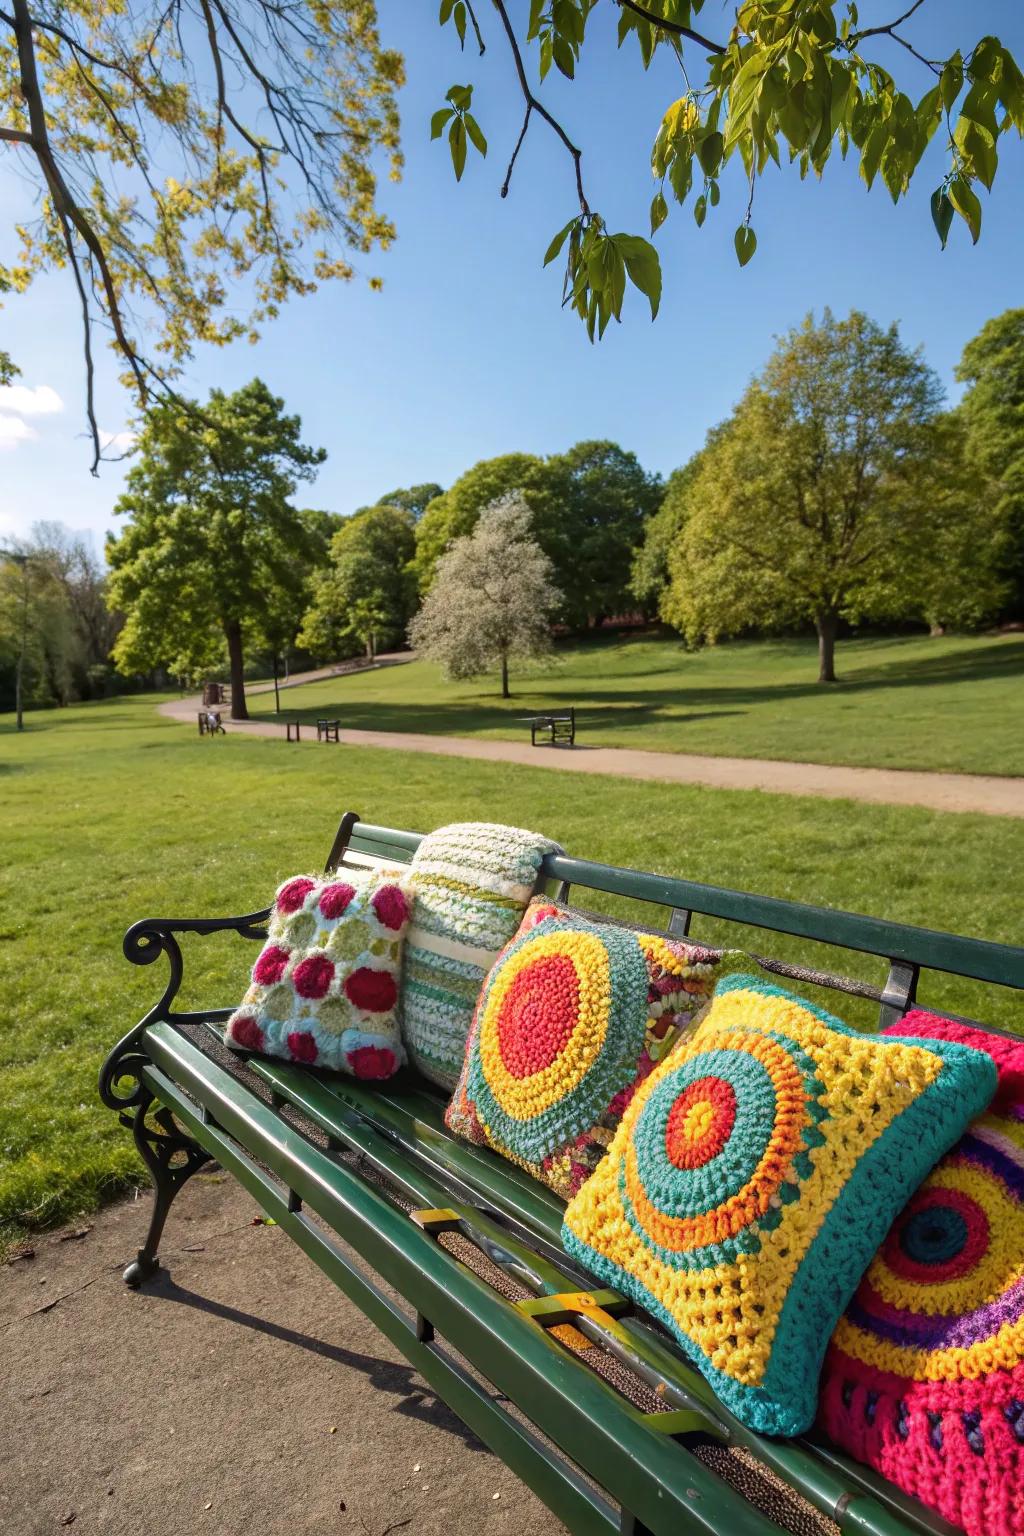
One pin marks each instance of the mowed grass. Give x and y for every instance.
(112, 813)
(955, 704)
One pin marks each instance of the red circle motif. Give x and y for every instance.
(538, 1014)
(372, 1062)
(335, 898)
(291, 896)
(269, 968)
(375, 991)
(686, 1150)
(302, 1046)
(244, 1031)
(391, 907)
(312, 977)
(963, 1262)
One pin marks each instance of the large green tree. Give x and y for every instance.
(366, 592)
(454, 513)
(833, 493)
(213, 548)
(588, 506)
(591, 505)
(414, 499)
(992, 367)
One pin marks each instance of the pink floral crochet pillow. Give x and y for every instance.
(325, 987)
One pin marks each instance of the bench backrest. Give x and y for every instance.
(908, 951)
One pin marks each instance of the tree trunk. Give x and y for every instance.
(504, 678)
(936, 630)
(233, 635)
(828, 625)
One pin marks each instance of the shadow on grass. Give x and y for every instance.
(632, 710)
(416, 1399)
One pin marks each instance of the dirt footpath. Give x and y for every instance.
(241, 1393)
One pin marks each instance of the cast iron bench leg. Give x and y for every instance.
(172, 1157)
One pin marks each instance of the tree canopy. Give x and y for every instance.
(366, 593)
(588, 505)
(992, 367)
(777, 79)
(198, 162)
(195, 162)
(213, 550)
(413, 499)
(492, 599)
(832, 493)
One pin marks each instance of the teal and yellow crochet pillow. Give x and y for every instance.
(753, 1177)
(573, 1016)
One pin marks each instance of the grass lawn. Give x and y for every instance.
(911, 702)
(112, 813)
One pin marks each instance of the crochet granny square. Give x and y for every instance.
(754, 1175)
(572, 1018)
(325, 987)
(924, 1377)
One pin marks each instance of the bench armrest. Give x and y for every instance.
(145, 942)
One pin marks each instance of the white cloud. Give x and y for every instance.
(14, 431)
(121, 440)
(27, 401)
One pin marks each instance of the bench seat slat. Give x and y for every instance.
(648, 1473)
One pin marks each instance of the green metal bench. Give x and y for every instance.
(583, 1395)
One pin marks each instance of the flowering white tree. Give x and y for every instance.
(492, 599)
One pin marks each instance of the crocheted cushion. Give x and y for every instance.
(754, 1175)
(924, 1378)
(325, 987)
(471, 882)
(571, 1019)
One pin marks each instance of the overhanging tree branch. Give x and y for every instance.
(671, 26)
(534, 105)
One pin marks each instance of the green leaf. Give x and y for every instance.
(438, 121)
(700, 209)
(714, 194)
(659, 211)
(965, 201)
(979, 147)
(942, 214)
(745, 242)
(951, 80)
(460, 21)
(457, 143)
(709, 153)
(476, 137)
(460, 96)
(643, 266)
(557, 243)
(446, 10)
(565, 61)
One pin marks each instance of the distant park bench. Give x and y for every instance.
(293, 725)
(560, 726)
(210, 723)
(327, 730)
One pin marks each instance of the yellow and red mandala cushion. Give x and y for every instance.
(571, 1019)
(325, 986)
(924, 1377)
(754, 1175)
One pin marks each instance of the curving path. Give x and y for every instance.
(986, 794)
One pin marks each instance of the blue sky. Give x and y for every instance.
(465, 353)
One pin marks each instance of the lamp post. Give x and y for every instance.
(20, 559)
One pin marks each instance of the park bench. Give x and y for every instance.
(210, 723)
(293, 725)
(327, 730)
(560, 726)
(455, 1254)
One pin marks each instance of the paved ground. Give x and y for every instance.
(241, 1393)
(989, 794)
